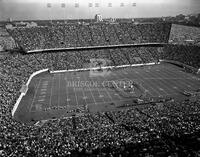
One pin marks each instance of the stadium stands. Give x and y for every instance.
(77, 35)
(188, 54)
(151, 130)
(6, 42)
(185, 35)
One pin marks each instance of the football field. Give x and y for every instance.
(57, 95)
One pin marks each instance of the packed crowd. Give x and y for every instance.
(170, 129)
(189, 55)
(154, 130)
(83, 35)
(6, 42)
(3, 32)
(186, 35)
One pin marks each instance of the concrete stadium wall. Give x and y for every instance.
(97, 47)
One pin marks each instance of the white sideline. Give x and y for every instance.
(120, 66)
(62, 71)
(22, 94)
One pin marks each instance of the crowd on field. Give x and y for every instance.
(92, 34)
(167, 129)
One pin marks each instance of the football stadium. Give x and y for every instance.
(100, 87)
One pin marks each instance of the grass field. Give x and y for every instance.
(59, 94)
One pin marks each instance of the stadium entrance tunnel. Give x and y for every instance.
(56, 95)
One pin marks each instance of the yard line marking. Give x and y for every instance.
(91, 93)
(184, 85)
(35, 94)
(162, 83)
(66, 90)
(75, 93)
(84, 97)
(67, 100)
(150, 84)
(107, 90)
(59, 90)
(52, 79)
(171, 72)
(122, 77)
(177, 85)
(185, 81)
(102, 91)
(97, 89)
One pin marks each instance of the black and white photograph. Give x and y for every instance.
(99, 78)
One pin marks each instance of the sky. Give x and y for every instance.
(38, 10)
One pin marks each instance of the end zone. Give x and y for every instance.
(24, 92)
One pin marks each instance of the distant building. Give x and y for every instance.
(98, 18)
(110, 20)
(10, 20)
(9, 26)
(20, 24)
(31, 24)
